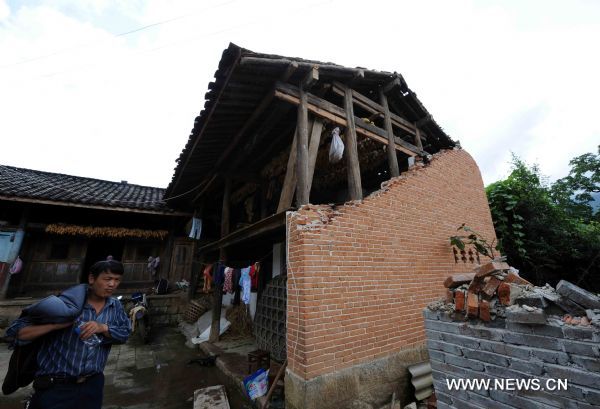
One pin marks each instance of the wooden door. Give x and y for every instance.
(181, 260)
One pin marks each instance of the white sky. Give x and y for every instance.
(79, 96)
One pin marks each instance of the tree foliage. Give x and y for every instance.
(550, 232)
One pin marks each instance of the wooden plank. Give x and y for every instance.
(353, 164)
(302, 151)
(313, 149)
(289, 183)
(391, 152)
(335, 114)
(264, 226)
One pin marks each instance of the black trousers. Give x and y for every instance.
(86, 395)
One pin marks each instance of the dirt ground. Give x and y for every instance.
(150, 376)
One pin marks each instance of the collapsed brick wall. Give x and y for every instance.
(508, 350)
(360, 275)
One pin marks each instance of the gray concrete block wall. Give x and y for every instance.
(461, 349)
(166, 309)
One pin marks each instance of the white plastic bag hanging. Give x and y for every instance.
(336, 150)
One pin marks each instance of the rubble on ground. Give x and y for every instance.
(495, 290)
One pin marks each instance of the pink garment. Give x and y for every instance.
(228, 284)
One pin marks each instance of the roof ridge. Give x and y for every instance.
(43, 172)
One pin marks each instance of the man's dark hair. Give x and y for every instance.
(106, 266)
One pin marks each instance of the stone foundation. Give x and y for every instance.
(364, 386)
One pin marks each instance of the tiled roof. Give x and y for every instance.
(34, 184)
(242, 81)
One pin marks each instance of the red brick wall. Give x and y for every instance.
(360, 275)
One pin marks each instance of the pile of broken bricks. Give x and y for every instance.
(496, 290)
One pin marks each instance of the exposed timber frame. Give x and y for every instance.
(353, 164)
(260, 109)
(326, 110)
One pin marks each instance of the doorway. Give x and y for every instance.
(100, 249)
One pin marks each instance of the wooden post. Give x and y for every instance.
(313, 150)
(289, 183)
(391, 151)
(354, 182)
(418, 142)
(302, 152)
(218, 289)
(302, 184)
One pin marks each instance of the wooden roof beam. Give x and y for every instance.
(373, 107)
(290, 69)
(302, 64)
(335, 114)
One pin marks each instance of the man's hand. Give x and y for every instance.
(92, 327)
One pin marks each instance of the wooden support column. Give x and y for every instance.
(313, 149)
(418, 142)
(302, 191)
(391, 151)
(354, 182)
(303, 184)
(289, 183)
(218, 289)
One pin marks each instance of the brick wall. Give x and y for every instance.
(360, 275)
(506, 350)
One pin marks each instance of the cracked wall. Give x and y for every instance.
(359, 275)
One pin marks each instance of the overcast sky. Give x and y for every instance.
(110, 89)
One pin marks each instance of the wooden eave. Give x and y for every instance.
(263, 227)
(91, 206)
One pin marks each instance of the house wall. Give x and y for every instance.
(44, 274)
(360, 275)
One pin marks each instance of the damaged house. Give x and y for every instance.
(351, 250)
(59, 225)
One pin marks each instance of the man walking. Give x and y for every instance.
(72, 357)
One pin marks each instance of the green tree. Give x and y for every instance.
(545, 231)
(574, 192)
